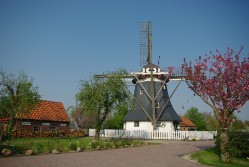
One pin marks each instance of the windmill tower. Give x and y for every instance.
(152, 107)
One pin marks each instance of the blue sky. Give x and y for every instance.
(60, 42)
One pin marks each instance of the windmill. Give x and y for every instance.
(152, 106)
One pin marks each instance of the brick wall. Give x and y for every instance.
(42, 126)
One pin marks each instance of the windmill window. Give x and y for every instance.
(141, 91)
(157, 104)
(136, 124)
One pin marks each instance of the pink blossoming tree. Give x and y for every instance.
(222, 82)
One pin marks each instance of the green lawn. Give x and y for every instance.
(47, 145)
(210, 157)
(44, 140)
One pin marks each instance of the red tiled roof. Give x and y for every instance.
(186, 122)
(47, 110)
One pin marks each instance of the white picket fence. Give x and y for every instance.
(143, 134)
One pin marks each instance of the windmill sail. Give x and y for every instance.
(145, 43)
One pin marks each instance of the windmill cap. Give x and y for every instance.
(151, 66)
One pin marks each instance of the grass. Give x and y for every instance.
(47, 145)
(44, 145)
(211, 157)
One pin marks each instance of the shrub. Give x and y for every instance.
(95, 144)
(39, 147)
(72, 146)
(27, 145)
(82, 145)
(14, 149)
(59, 146)
(126, 141)
(137, 143)
(108, 144)
(238, 145)
(50, 146)
(115, 143)
(24, 133)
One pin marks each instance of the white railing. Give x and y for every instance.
(158, 135)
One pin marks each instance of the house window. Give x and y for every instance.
(141, 91)
(157, 104)
(37, 128)
(45, 124)
(26, 123)
(53, 129)
(136, 124)
(63, 125)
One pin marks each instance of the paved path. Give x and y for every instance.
(163, 155)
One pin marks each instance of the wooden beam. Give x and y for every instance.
(143, 88)
(141, 106)
(168, 101)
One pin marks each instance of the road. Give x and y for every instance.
(167, 154)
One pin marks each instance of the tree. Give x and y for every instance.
(222, 82)
(101, 98)
(237, 124)
(82, 118)
(116, 121)
(246, 123)
(211, 122)
(196, 117)
(71, 112)
(17, 96)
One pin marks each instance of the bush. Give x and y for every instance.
(72, 146)
(108, 144)
(238, 145)
(82, 145)
(60, 146)
(24, 133)
(14, 149)
(39, 147)
(50, 146)
(124, 142)
(27, 145)
(96, 144)
(19, 146)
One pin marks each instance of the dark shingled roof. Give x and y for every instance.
(151, 66)
(137, 114)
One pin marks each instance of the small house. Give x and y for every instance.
(47, 116)
(186, 124)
